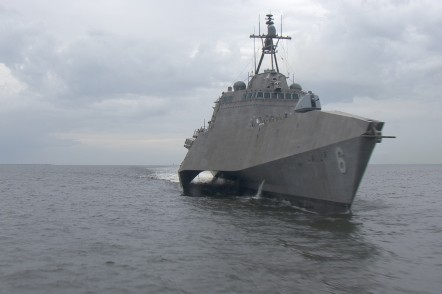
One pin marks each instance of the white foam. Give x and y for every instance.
(167, 173)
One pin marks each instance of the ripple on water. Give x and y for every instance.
(123, 229)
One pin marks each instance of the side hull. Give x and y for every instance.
(323, 180)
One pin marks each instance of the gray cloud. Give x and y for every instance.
(137, 77)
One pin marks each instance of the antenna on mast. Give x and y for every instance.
(281, 25)
(254, 51)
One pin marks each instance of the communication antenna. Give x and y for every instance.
(281, 25)
(254, 50)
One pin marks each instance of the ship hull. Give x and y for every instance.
(323, 178)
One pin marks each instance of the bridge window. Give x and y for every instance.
(259, 95)
(266, 95)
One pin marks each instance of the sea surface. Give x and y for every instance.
(128, 229)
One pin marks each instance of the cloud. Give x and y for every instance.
(10, 86)
(136, 77)
(414, 121)
(374, 46)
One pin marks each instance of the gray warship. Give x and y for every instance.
(273, 137)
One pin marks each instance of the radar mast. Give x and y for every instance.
(268, 46)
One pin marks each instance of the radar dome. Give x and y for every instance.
(240, 85)
(295, 86)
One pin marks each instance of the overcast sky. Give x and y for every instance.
(125, 82)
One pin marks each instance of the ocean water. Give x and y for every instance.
(127, 229)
